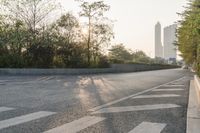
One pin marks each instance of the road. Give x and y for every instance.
(143, 102)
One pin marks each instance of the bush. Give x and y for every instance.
(40, 56)
(103, 62)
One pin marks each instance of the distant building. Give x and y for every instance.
(158, 43)
(170, 52)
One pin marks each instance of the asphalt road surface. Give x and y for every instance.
(143, 102)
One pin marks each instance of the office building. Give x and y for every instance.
(158, 43)
(170, 51)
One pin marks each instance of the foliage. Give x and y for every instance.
(29, 39)
(189, 34)
(94, 12)
(120, 54)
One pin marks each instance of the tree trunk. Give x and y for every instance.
(88, 43)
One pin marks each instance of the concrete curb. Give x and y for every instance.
(193, 111)
(197, 86)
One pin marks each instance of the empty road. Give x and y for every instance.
(143, 102)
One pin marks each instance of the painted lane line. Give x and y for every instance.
(77, 125)
(135, 108)
(156, 96)
(3, 109)
(168, 90)
(130, 96)
(23, 119)
(148, 127)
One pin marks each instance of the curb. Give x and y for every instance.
(197, 86)
(193, 110)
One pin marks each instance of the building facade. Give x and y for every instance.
(170, 51)
(158, 42)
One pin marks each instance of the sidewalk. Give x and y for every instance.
(193, 113)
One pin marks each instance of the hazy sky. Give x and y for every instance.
(135, 19)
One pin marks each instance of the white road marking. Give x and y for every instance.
(135, 108)
(48, 78)
(156, 96)
(3, 109)
(41, 78)
(171, 85)
(24, 118)
(77, 125)
(148, 127)
(127, 97)
(3, 81)
(168, 90)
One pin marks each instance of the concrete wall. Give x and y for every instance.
(115, 68)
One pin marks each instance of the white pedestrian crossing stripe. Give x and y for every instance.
(77, 125)
(148, 127)
(23, 119)
(168, 90)
(135, 108)
(3, 109)
(156, 96)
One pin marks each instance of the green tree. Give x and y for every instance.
(69, 49)
(189, 34)
(141, 57)
(119, 54)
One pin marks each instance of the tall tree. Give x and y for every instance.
(93, 11)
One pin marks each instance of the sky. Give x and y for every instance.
(135, 19)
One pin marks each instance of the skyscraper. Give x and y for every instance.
(170, 52)
(158, 43)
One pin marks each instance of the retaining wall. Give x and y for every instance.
(115, 68)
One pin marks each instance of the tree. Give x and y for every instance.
(189, 34)
(68, 25)
(31, 12)
(119, 54)
(141, 57)
(93, 12)
(102, 35)
(69, 48)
